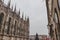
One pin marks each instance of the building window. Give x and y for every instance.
(5, 30)
(18, 31)
(15, 28)
(8, 25)
(55, 16)
(51, 30)
(1, 19)
(56, 34)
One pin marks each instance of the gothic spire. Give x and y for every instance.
(25, 17)
(22, 15)
(3, 1)
(9, 3)
(19, 12)
(28, 19)
(15, 9)
(12, 7)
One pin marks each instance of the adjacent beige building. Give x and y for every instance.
(53, 13)
(12, 26)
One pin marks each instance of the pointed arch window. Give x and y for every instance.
(1, 19)
(15, 28)
(8, 25)
(55, 16)
(51, 30)
(56, 34)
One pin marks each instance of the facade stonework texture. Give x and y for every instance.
(53, 13)
(12, 26)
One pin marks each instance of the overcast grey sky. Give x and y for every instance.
(36, 10)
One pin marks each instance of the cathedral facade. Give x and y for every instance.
(12, 26)
(53, 13)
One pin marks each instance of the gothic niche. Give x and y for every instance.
(1, 19)
(8, 25)
(55, 16)
(56, 34)
(51, 30)
(15, 28)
